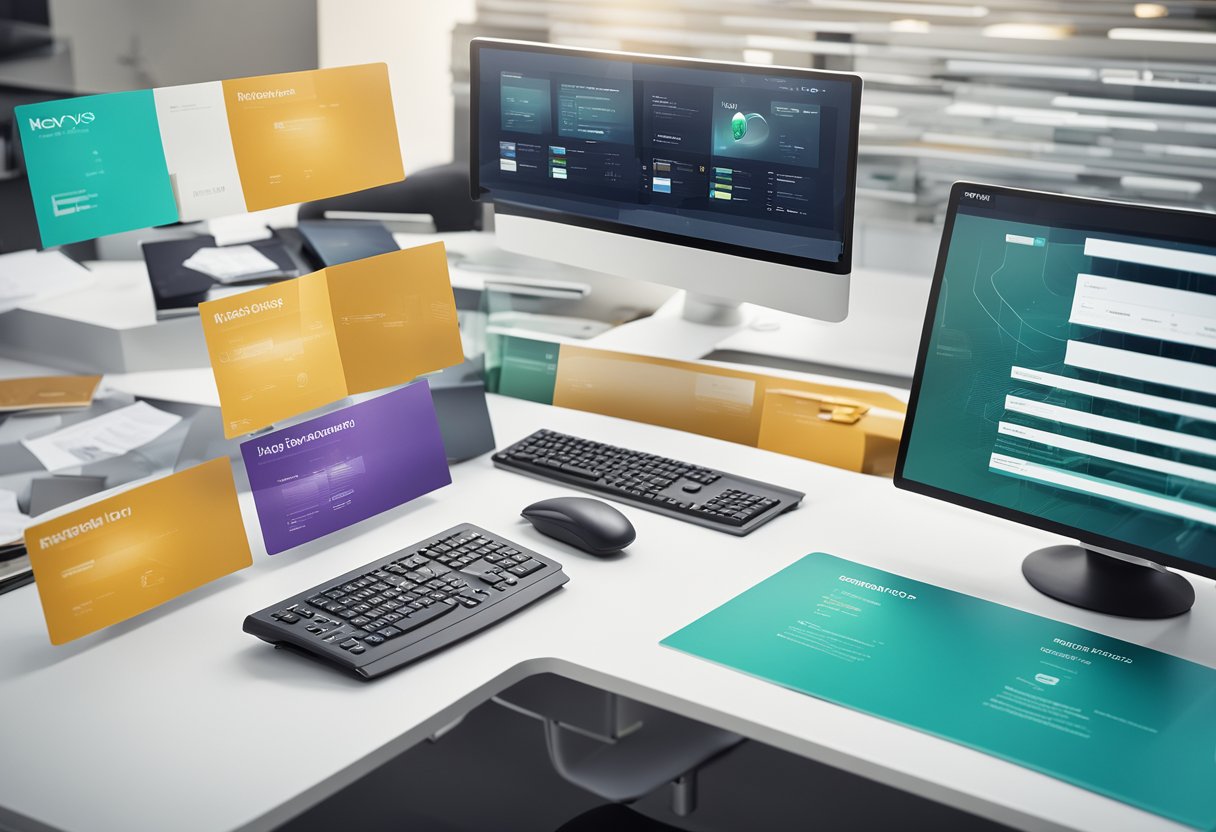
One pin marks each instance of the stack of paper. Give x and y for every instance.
(14, 562)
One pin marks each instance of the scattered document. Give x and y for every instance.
(27, 275)
(12, 521)
(47, 392)
(107, 436)
(232, 263)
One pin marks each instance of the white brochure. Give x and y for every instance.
(198, 150)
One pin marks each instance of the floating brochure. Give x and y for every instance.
(47, 392)
(336, 470)
(102, 164)
(850, 428)
(1116, 718)
(109, 435)
(131, 552)
(362, 326)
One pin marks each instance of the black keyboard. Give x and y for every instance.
(688, 492)
(413, 602)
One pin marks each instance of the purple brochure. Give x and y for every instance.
(331, 472)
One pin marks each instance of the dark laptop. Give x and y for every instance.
(177, 287)
(333, 242)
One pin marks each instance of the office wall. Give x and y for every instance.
(414, 37)
(127, 44)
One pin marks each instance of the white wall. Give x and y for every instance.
(414, 37)
(132, 44)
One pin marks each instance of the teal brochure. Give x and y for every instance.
(1116, 718)
(96, 166)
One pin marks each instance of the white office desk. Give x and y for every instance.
(179, 721)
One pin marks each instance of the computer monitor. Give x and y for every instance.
(732, 181)
(1067, 380)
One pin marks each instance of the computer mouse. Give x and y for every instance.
(591, 525)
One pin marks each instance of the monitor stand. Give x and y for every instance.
(706, 309)
(1108, 582)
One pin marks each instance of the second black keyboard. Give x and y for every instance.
(417, 600)
(715, 499)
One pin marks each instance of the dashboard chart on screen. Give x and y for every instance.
(738, 155)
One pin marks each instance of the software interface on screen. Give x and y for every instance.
(1071, 371)
(759, 160)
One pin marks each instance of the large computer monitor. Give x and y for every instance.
(733, 181)
(1067, 380)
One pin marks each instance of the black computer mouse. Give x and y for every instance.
(591, 525)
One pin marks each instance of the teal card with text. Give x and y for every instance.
(96, 166)
(1122, 720)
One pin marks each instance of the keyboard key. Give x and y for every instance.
(388, 632)
(417, 619)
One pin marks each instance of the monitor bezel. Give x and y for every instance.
(993, 509)
(843, 266)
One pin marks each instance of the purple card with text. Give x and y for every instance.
(331, 472)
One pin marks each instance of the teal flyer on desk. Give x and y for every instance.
(1116, 718)
(96, 166)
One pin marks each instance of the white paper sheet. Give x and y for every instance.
(26, 275)
(231, 263)
(109, 435)
(12, 521)
(239, 228)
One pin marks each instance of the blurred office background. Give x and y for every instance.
(1096, 97)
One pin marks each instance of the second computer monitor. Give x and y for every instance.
(1067, 380)
(732, 181)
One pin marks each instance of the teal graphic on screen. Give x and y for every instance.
(96, 166)
(1070, 375)
(525, 104)
(1118, 719)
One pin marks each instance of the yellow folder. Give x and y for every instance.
(126, 554)
(295, 346)
(45, 392)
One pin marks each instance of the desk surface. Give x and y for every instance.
(179, 720)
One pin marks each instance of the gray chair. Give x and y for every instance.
(441, 191)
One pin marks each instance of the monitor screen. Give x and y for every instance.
(753, 161)
(1067, 372)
